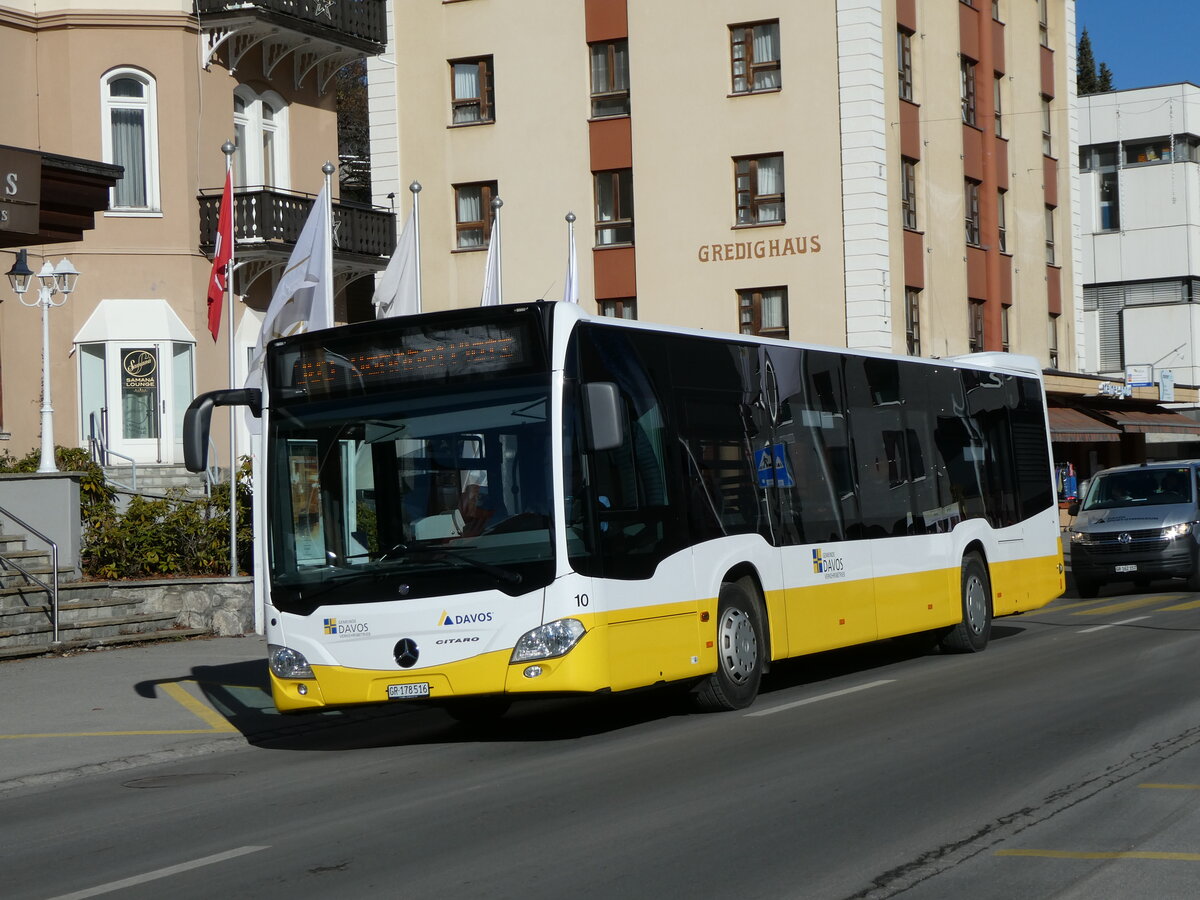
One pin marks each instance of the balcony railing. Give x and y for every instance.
(273, 219)
(365, 21)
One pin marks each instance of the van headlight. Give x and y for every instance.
(288, 663)
(1079, 537)
(552, 639)
(1177, 531)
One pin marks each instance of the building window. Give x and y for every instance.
(614, 207)
(908, 195)
(1161, 150)
(623, 308)
(1047, 143)
(754, 57)
(260, 133)
(758, 189)
(904, 63)
(1002, 219)
(996, 10)
(473, 214)
(996, 91)
(610, 78)
(1043, 23)
(130, 137)
(967, 89)
(1052, 338)
(1004, 328)
(1050, 256)
(971, 198)
(763, 311)
(1110, 200)
(472, 97)
(912, 321)
(974, 326)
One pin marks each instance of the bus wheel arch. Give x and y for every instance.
(972, 633)
(742, 646)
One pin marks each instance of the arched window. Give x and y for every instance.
(130, 138)
(260, 132)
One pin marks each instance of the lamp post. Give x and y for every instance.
(52, 280)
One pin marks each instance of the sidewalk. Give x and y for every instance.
(128, 706)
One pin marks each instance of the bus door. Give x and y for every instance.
(827, 568)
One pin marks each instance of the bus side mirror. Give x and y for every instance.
(603, 404)
(198, 418)
(1073, 509)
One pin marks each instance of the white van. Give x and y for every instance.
(1137, 523)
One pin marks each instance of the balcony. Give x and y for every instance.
(319, 36)
(267, 223)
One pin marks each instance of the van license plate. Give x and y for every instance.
(404, 691)
(1125, 568)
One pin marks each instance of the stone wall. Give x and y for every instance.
(225, 606)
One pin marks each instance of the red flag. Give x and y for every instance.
(218, 281)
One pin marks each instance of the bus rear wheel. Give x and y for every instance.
(740, 652)
(972, 633)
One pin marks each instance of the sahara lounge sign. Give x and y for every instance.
(20, 190)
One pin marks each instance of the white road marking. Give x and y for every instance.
(1111, 625)
(832, 694)
(160, 873)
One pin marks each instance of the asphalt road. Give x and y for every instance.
(1062, 762)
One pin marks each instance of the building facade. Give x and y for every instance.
(879, 174)
(156, 87)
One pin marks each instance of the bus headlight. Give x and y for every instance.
(288, 663)
(1177, 531)
(549, 640)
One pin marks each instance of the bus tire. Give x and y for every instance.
(740, 652)
(972, 633)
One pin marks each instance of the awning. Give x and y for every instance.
(134, 320)
(1153, 420)
(1072, 425)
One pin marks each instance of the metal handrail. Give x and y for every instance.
(100, 448)
(52, 588)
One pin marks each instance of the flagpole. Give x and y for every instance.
(496, 204)
(327, 277)
(228, 148)
(415, 187)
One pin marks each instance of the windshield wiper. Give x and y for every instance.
(505, 575)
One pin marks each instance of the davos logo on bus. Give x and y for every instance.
(828, 564)
(464, 618)
(347, 628)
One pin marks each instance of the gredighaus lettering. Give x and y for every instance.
(762, 249)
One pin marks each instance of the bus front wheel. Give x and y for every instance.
(972, 633)
(740, 652)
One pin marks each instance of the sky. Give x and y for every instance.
(1143, 43)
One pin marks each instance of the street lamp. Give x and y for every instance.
(53, 280)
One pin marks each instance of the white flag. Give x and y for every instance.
(397, 292)
(571, 282)
(491, 271)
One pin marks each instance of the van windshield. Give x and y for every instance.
(1142, 487)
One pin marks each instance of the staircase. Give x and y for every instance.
(156, 481)
(87, 615)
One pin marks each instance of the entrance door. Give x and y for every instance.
(136, 420)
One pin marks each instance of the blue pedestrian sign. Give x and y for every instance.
(772, 466)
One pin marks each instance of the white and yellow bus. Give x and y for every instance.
(485, 504)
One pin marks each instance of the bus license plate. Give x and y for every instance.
(404, 691)
(1130, 568)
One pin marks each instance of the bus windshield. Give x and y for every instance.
(406, 495)
(1141, 487)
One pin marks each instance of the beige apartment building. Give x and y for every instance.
(156, 87)
(882, 174)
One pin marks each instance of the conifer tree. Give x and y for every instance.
(1105, 80)
(1086, 80)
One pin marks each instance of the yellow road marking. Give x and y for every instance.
(1172, 787)
(1130, 854)
(1128, 604)
(1066, 607)
(201, 710)
(216, 722)
(1195, 604)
